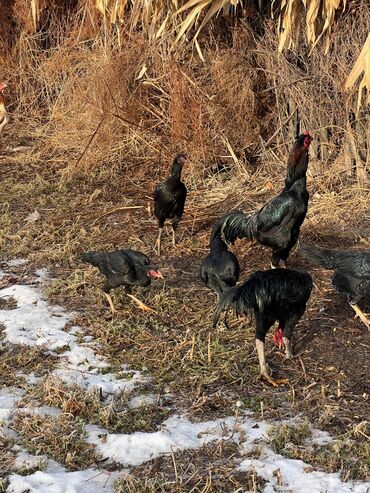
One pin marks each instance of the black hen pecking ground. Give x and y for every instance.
(220, 269)
(351, 273)
(126, 268)
(272, 295)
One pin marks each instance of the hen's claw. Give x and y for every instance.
(362, 316)
(140, 304)
(272, 381)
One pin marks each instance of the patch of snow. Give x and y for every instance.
(8, 399)
(320, 437)
(84, 358)
(34, 322)
(108, 383)
(41, 411)
(31, 379)
(24, 460)
(42, 274)
(142, 400)
(297, 477)
(17, 262)
(177, 433)
(87, 481)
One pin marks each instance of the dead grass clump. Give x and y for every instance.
(348, 453)
(286, 438)
(211, 468)
(88, 405)
(62, 438)
(15, 360)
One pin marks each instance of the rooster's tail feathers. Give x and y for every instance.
(93, 258)
(226, 299)
(235, 225)
(319, 256)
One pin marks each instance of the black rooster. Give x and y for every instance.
(273, 295)
(278, 223)
(351, 273)
(220, 269)
(169, 199)
(126, 268)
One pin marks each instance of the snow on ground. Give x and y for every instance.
(176, 433)
(17, 262)
(59, 480)
(297, 477)
(8, 399)
(34, 322)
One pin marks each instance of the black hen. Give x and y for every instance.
(351, 273)
(169, 199)
(126, 268)
(273, 295)
(278, 223)
(220, 269)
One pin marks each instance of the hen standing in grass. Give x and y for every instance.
(272, 295)
(126, 268)
(351, 273)
(3, 113)
(169, 199)
(220, 269)
(278, 223)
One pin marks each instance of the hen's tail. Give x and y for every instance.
(319, 256)
(240, 298)
(234, 225)
(93, 258)
(226, 299)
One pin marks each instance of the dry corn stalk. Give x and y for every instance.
(35, 11)
(362, 65)
(320, 17)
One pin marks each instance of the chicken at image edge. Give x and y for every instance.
(351, 273)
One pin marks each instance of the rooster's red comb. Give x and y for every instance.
(306, 132)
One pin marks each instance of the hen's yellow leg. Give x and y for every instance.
(140, 304)
(361, 315)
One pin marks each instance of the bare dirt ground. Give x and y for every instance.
(207, 370)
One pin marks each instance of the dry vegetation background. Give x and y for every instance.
(98, 112)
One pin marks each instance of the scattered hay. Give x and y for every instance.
(61, 438)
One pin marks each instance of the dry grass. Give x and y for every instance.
(61, 438)
(349, 454)
(100, 137)
(210, 469)
(115, 416)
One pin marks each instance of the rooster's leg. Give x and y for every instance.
(158, 242)
(361, 315)
(140, 304)
(264, 369)
(173, 236)
(288, 348)
(108, 296)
